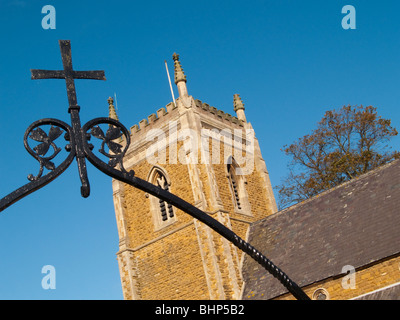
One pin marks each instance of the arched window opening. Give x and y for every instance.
(163, 213)
(234, 186)
(166, 209)
(237, 184)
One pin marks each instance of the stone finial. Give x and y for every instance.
(237, 103)
(238, 106)
(179, 74)
(175, 56)
(112, 113)
(180, 78)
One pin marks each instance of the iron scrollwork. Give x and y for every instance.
(46, 142)
(114, 136)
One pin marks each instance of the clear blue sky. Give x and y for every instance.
(289, 60)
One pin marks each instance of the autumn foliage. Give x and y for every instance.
(345, 144)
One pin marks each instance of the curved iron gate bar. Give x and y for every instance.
(80, 149)
(129, 178)
(40, 181)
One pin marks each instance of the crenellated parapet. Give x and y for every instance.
(163, 114)
(205, 108)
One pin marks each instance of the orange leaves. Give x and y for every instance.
(346, 143)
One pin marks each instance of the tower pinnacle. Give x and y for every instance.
(180, 78)
(112, 113)
(238, 106)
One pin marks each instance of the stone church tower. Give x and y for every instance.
(210, 159)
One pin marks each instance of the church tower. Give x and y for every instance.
(210, 159)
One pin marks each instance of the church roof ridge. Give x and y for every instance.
(326, 192)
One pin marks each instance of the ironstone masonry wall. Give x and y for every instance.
(376, 276)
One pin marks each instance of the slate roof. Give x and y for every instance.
(354, 224)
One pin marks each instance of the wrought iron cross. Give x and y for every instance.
(79, 147)
(69, 74)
